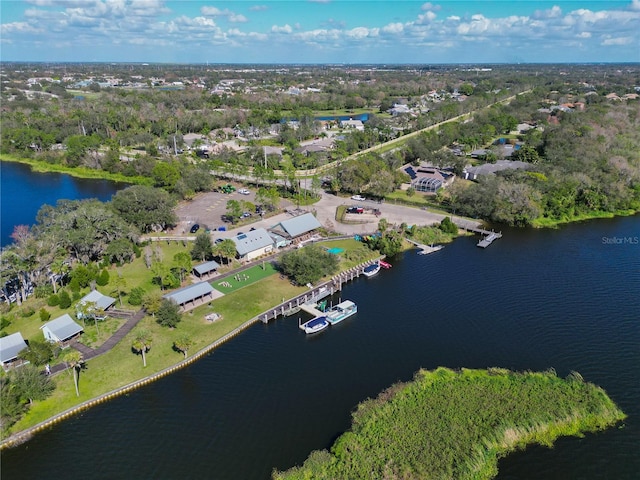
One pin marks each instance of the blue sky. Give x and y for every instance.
(320, 31)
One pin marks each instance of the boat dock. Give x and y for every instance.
(309, 300)
(425, 249)
(488, 236)
(488, 239)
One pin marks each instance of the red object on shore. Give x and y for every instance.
(384, 264)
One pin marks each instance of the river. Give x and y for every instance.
(567, 299)
(24, 192)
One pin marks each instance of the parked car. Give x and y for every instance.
(245, 215)
(219, 240)
(244, 191)
(194, 228)
(358, 198)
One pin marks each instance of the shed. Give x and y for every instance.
(10, 347)
(61, 329)
(198, 291)
(297, 226)
(205, 268)
(253, 244)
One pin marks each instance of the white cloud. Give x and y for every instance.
(284, 29)
(617, 41)
(553, 12)
(237, 18)
(258, 8)
(429, 7)
(393, 28)
(362, 32)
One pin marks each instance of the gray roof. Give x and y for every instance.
(206, 267)
(489, 168)
(63, 327)
(252, 241)
(296, 226)
(190, 293)
(11, 346)
(102, 301)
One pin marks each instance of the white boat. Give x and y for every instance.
(315, 325)
(371, 270)
(341, 311)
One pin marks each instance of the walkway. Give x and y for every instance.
(88, 352)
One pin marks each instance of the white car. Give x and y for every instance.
(359, 198)
(244, 191)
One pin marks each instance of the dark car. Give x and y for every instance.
(195, 228)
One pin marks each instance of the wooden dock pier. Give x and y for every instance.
(488, 236)
(318, 292)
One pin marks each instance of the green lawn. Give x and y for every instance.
(231, 283)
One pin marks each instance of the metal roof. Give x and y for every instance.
(62, 327)
(190, 293)
(296, 226)
(206, 267)
(102, 301)
(252, 241)
(11, 346)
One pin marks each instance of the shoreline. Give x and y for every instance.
(39, 166)
(26, 434)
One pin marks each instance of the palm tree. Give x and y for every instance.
(142, 343)
(183, 343)
(74, 361)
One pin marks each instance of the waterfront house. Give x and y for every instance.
(10, 347)
(253, 244)
(61, 330)
(297, 228)
(193, 295)
(472, 173)
(357, 124)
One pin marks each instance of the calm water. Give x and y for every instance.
(24, 192)
(535, 299)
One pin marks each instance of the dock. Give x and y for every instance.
(488, 236)
(425, 249)
(488, 240)
(308, 301)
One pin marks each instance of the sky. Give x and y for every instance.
(320, 31)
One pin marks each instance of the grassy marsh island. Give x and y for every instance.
(448, 424)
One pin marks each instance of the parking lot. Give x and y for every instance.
(207, 209)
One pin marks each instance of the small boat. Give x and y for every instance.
(372, 269)
(384, 264)
(341, 311)
(315, 325)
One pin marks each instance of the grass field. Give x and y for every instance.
(231, 283)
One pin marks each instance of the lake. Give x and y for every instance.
(567, 299)
(24, 192)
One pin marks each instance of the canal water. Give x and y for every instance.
(24, 192)
(567, 299)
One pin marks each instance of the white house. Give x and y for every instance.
(61, 329)
(357, 124)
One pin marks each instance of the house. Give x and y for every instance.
(101, 303)
(253, 244)
(357, 124)
(472, 173)
(61, 330)
(297, 228)
(195, 295)
(428, 179)
(10, 347)
(205, 269)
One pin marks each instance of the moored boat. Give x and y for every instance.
(371, 270)
(315, 325)
(341, 311)
(384, 264)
